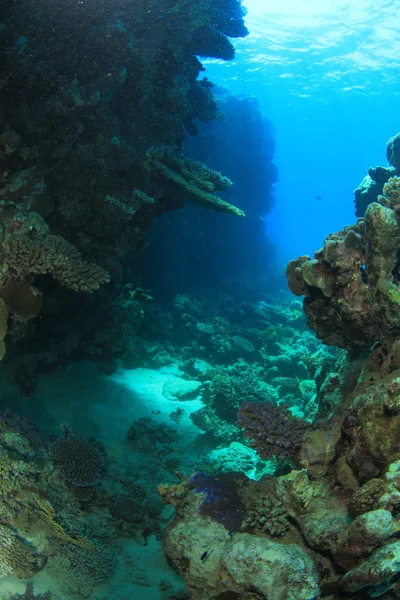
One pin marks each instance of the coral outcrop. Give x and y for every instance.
(351, 286)
(215, 563)
(372, 185)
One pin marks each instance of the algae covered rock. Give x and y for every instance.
(207, 544)
(271, 569)
(211, 563)
(240, 459)
(378, 569)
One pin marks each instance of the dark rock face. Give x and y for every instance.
(97, 98)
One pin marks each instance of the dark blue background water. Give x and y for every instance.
(326, 75)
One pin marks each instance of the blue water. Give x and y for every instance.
(326, 74)
(177, 364)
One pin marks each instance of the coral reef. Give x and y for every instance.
(215, 563)
(351, 284)
(91, 147)
(336, 512)
(50, 523)
(340, 510)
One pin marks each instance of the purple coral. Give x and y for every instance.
(272, 429)
(79, 462)
(222, 503)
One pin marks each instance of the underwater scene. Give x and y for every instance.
(199, 300)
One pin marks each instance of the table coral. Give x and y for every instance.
(196, 180)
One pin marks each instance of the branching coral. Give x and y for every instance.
(194, 179)
(17, 556)
(271, 429)
(52, 254)
(84, 568)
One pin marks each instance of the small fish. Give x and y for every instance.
(318, 198)
(204, 555)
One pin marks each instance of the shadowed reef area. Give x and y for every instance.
(96, 100)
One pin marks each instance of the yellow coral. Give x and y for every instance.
(48, 513)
